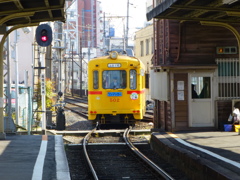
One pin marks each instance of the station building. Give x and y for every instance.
(195, 74)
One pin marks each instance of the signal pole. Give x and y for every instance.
(43, 92)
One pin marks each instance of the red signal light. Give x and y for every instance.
(44, 35)
(44, 38)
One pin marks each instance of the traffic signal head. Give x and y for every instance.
(44, 35)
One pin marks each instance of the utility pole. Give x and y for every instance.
(89, 42)
(81, 68)
(66, 76)
(72, 68)
(124, 39)
(124, 31)
(127, 28)
(104, 32)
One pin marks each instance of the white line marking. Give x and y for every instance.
(234, 163)
(38, 167)
(61, 160)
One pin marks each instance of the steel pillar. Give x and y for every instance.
(2, 133)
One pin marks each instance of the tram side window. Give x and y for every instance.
(95, 80)
(133, 79)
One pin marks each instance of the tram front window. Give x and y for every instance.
(114, 79)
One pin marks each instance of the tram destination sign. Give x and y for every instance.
(114, 65)
(111, 94)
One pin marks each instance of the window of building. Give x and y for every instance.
(147, 46)
(152, 46)
(147, 76)
(142, 48)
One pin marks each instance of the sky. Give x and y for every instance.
(137, 14)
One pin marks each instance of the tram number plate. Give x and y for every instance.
(111, 94)
(114, 100)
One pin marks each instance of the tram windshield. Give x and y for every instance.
(114, 79)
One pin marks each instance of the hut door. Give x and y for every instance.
(200, 97)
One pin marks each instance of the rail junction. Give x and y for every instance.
(110, 154)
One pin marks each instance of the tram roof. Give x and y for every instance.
(225, 11)
(16, 12)
(122, 58)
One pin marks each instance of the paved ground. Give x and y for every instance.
(223, 143)
(202, 154)
(25, 157)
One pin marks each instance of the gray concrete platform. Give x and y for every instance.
(202, 155)
(36, 157)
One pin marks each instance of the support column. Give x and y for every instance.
(2, 133)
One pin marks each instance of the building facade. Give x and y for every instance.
(144, 50)
(195, 74)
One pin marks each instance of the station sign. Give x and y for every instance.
(43, 85)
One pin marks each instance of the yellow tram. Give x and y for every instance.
(116, 89)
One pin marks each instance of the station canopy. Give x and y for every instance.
(15, 12)
(225, 11)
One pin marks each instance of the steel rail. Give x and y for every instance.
(77, 112)
(86, 138)
(77, 99)
(143, 157)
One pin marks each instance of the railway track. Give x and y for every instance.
(77, 105)
(116, 157)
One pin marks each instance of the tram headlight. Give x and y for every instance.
(114, 55)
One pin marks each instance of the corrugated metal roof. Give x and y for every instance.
(227, 11)
(15, 12)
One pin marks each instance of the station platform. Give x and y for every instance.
(201, 155)
(33, 157)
